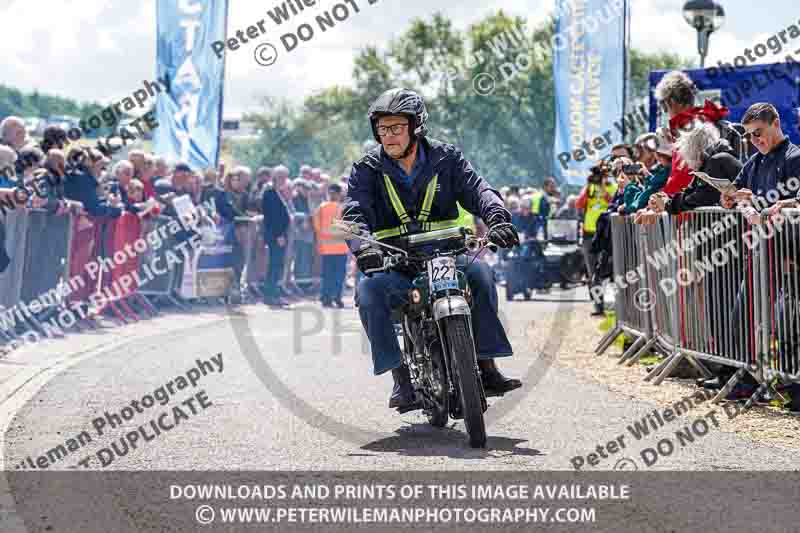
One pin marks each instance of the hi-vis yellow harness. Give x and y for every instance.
(422, 219)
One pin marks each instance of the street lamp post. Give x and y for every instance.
(705, 16)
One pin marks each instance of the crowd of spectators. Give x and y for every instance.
(531, 207)
(286, 254)
(296, 254)
(658, 173)
(655, 173)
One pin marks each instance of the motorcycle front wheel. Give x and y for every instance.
(462, 355)
(438, 411)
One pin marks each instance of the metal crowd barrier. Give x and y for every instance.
(123, 233)
(627, 256)
(56, 276)
(651, 298)
(38, 244)
(257, 260)
(84, 236)
(16, 223)
(159, 282)
(718, 298)
(254, 257)
(779, 288)
(54, 271)
(710, 287)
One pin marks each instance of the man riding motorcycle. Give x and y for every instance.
(411, 184)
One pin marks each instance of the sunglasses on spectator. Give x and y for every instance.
(757, 133)
(395, 129)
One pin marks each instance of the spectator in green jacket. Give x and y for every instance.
(655, 155)
(632, 191)
(627, 187)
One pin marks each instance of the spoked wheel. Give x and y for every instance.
(470, 389)
(439, 402)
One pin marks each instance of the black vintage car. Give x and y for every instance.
(539, 264)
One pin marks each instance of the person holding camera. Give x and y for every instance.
(655, 157)
(50, 185)
(83, 169)
(594, 200)
(629, 175)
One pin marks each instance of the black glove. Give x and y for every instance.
(368, 260)
(504, 235)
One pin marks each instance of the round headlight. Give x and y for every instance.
(416, 296)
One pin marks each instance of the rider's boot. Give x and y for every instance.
(495, 383)
(403, 397)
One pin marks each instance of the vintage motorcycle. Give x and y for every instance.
(438, 342)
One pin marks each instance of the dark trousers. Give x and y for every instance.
(334, 270)
(381, 293)
(591, 259)
(277, 257)
(238, 259)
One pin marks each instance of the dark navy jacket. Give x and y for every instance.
(276, 215)
(82, 187)
(762, 173)
(720, 162)
(368, 201)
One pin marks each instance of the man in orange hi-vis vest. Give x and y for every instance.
(332, 248)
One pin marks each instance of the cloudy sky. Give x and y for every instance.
(101, 50)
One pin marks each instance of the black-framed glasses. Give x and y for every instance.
(395, 129)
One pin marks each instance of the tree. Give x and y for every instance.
(642, 64)
(507, 134)
(35, 104)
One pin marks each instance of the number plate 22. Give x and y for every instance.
(442, 274)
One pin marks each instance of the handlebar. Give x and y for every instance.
(472, 245)
(399, 256)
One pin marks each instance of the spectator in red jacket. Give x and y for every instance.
(145, 207)
(676, 94)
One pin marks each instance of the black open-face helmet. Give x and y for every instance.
(400, 101)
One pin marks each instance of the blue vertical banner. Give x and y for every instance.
(589, 67)
(190, 114)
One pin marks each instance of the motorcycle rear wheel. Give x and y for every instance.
(462, 356)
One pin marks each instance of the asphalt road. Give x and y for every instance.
(296, 392)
